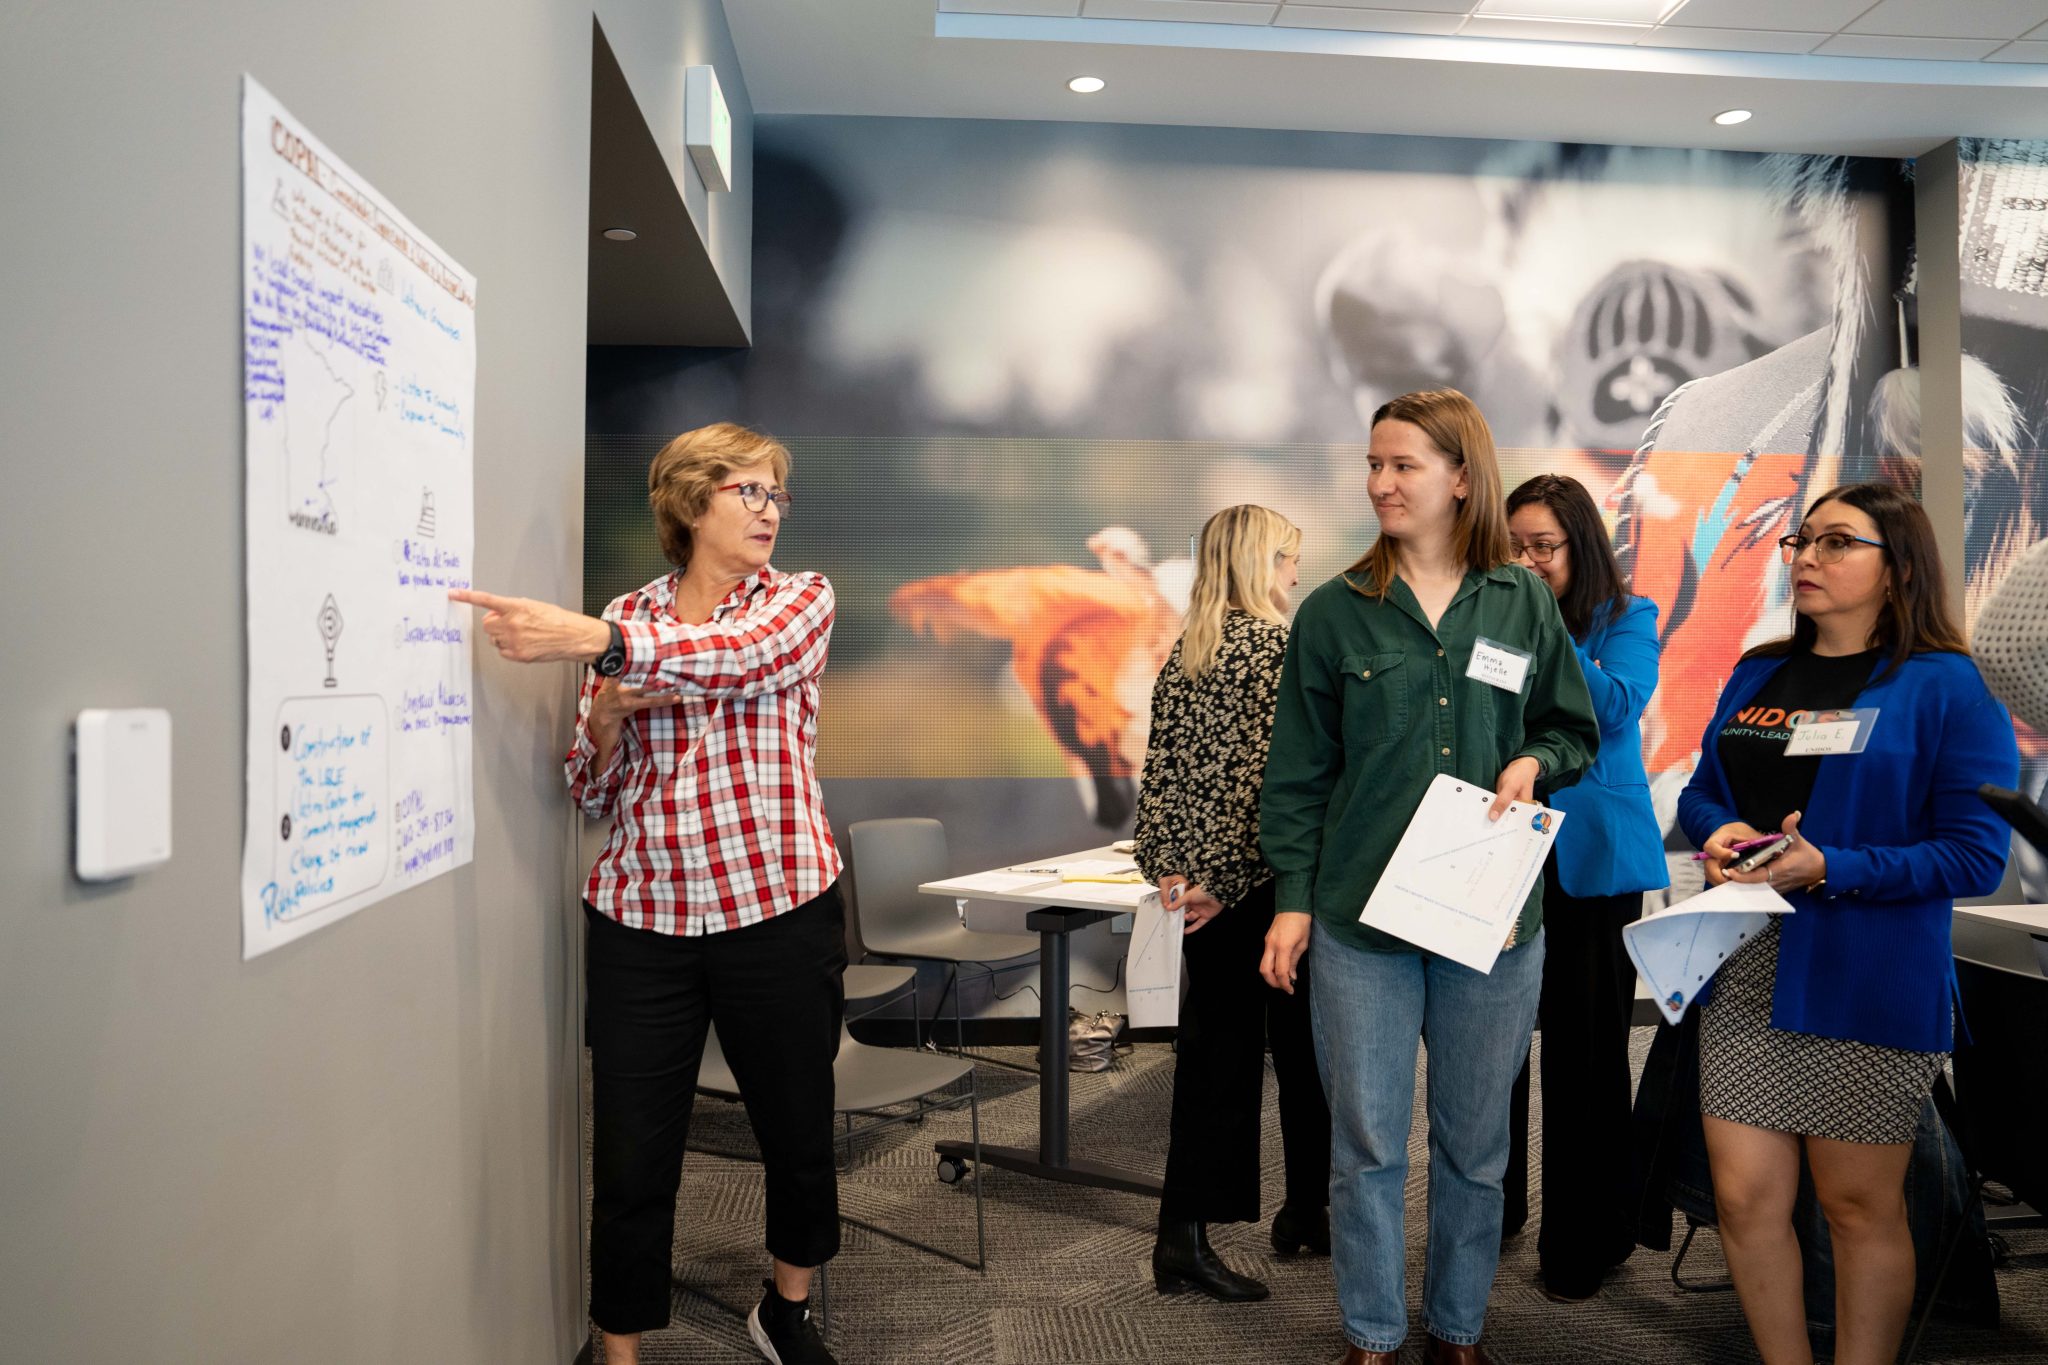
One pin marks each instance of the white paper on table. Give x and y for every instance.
(1457, 880)
(991, 883)
(1124, 895)
(1152, 976)
(1100, 867)
(1678, 949)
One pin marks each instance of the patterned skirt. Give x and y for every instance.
(1800, 1082)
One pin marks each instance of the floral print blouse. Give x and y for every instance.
(1198, 803)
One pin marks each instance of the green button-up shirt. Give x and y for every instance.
(1374, 704)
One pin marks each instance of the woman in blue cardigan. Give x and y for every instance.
(1609, 851)
(1824, 1033)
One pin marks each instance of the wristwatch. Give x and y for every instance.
(612, 662)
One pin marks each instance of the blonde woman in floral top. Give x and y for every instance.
(1198, 837)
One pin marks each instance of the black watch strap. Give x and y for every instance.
(612, 662)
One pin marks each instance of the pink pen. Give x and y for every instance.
(1757, 842)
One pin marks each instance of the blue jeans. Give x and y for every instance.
(1370, 1009)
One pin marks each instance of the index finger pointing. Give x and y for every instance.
(488, 601)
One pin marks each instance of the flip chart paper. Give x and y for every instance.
(359, 387)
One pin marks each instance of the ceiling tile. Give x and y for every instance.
(1551, 31)
(1824, 16)
(1952, 18)
(1444, 7)
(1037, 9)
(1920, 49)
(1186, 11)
(1595, 11)
(1367, 20)
(1732, 39)
(2032, 51)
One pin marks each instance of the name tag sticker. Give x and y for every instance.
(1831, 732)
(1499, 665)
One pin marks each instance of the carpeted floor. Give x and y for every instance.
(1069, 1278)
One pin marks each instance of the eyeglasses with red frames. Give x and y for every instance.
(756, 496)
(1828, 548)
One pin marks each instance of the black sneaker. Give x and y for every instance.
(783, 1331)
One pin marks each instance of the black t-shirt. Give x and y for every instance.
(1766, 785)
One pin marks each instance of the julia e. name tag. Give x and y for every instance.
(1831, 732)
(1499, 665)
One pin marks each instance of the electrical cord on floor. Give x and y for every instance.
(1111, 989)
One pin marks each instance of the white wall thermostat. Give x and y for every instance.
(707, 127)
(123, 761)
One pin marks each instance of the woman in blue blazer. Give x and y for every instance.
(1823, 1034)
(1609, 851)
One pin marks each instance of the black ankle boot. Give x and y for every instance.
(1296, 1229)
(1182, 1259)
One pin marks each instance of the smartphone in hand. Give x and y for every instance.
(1760, 853)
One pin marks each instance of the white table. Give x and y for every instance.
(2030, 919)
(1058, 909)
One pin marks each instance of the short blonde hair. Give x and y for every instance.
(1236, 566)
(687, 473)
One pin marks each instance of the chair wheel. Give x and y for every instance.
(952, 1170)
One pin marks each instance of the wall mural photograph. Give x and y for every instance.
(1019, 364)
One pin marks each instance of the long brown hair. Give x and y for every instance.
(1916, 617)
(1479, 536)
(1596, 592)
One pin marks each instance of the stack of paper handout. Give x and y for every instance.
(1678, 949)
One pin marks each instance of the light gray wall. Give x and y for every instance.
(361, 1147)
(655, 41)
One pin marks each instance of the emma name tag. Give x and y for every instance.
(1831, 732)
(1502, 666)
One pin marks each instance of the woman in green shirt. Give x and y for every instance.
(1375, 701)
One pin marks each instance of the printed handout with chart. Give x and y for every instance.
(1678, 949)
(1457, 880)
(359, 385)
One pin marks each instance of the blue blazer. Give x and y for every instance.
(1904, 834)
(1611, 844)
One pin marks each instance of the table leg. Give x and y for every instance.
(1052, 1049)
(1051, 1161)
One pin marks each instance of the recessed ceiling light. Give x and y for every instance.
(619, 234)
(1728, 118)
(1086, 85)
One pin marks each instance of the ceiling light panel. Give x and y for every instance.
(1586, 11)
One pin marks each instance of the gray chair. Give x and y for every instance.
(891, 859)
(872, 984)
(868, 1082)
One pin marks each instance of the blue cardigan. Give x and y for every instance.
(1903, 834)
(1611, 844)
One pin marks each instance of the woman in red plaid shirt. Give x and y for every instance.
(716, 898)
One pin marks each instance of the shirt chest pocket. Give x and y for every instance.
(1375, 698)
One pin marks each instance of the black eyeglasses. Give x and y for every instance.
(1828, 548)
(757, 496)
(1542, 551)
